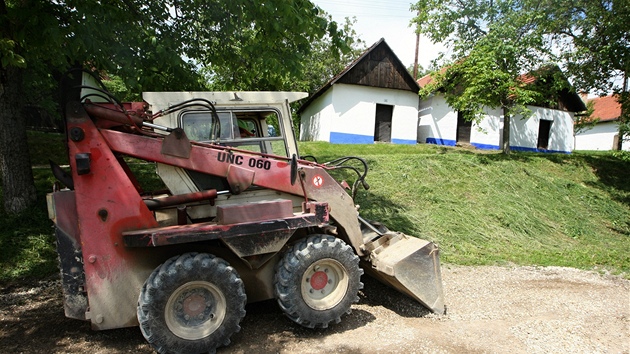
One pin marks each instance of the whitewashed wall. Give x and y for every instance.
(487, 133)
(524, 132)
(600, 137)
(438, 122)
(316, 119)
(346, 114)
(438, 125)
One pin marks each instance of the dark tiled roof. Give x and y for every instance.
(339, 77)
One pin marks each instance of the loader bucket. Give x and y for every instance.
(409, 265)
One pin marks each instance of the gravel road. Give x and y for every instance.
(490, 310)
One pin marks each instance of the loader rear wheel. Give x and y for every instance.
(192, 303)
(317, 281)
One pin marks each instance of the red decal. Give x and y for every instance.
(318, 181)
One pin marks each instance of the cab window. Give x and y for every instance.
(247, 130)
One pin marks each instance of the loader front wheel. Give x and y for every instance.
(192, 303)
(317, 281)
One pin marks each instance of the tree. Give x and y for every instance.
(421, 70)
(324, 63)
(493, 42)
(156, 45)
(589, 40)
(325, 60)
(595, 37)
(586, 121)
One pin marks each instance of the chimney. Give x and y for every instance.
(584, 96)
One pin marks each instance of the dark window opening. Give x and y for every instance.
(464, 127)
(544, 129)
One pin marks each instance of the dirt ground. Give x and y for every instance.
(490, 310)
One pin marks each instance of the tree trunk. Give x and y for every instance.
(622, 115)
(18, 187)
(505, 144)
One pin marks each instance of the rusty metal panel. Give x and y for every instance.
(316, 184)
(239, 178)
(157, 203)
(239, 213)
(176, 144)
(256, 250)
(179, 234)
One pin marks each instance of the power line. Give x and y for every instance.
(367, 3)
(364, 8)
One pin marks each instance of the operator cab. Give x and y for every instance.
(258, 121)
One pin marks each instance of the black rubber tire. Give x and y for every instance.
(291, 281)
(211, 282)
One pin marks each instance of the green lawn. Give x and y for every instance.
(488, 208)
(481, 207)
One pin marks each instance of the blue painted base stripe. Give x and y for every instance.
(447, 142)
(485, 146)
(344, 138)
(404, 141)
(438, 141)
(527, 149)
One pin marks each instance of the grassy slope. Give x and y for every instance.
(486, 208)
(481, 207)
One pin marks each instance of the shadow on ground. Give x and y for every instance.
(32, 321)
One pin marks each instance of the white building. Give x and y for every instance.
(548, 130)
(373, 99)
(605, 134)
(545, 130)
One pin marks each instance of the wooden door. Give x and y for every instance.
(383, 125)
(463, 128)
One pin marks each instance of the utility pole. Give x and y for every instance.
(415, 61)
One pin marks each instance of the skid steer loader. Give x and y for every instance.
(243, 218)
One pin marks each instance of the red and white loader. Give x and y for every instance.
(243, 218)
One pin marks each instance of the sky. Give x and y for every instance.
(387, 19)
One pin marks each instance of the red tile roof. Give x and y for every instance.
(425, 80)
(571, 100)
(527, 78)
(606, 108)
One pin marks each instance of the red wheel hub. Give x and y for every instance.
(194, 305)
(319, 280)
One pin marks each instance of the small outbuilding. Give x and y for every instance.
(374, 99)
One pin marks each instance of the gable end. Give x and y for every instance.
(380, 68)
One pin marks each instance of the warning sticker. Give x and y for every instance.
(318, 181)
